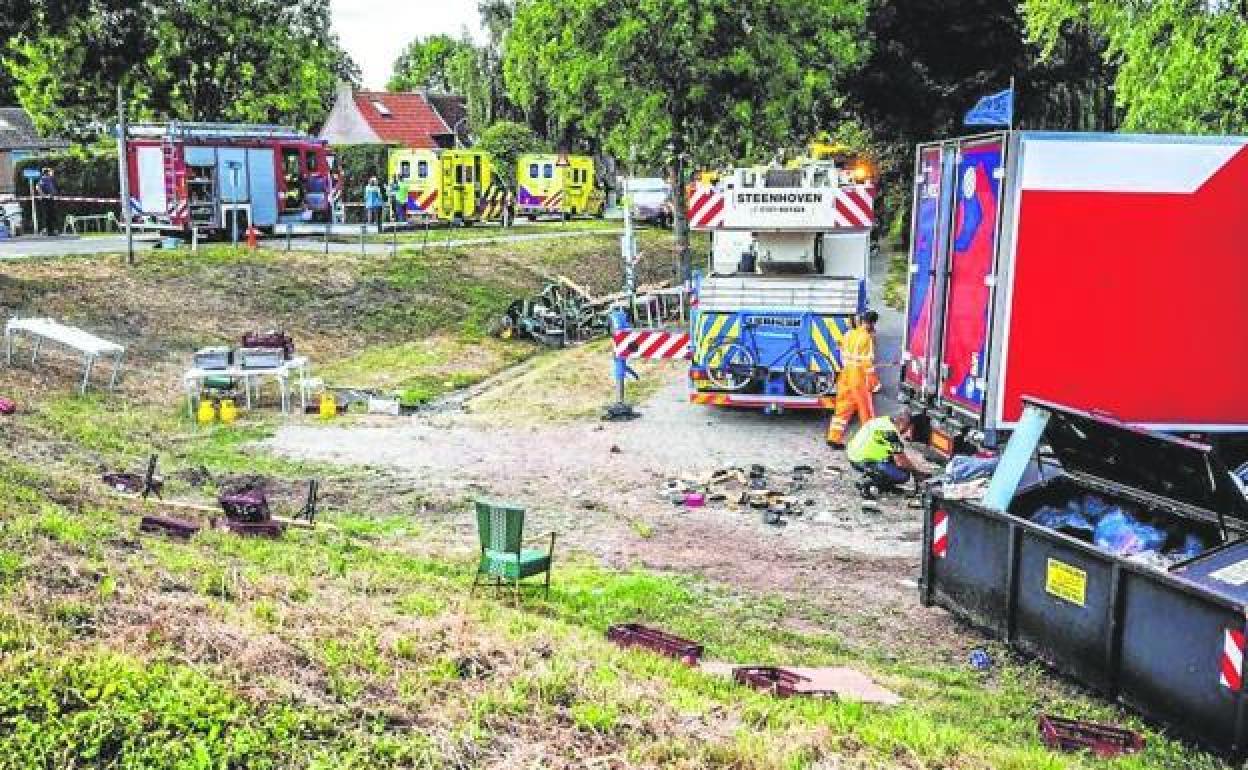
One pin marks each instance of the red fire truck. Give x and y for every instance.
(207, 176)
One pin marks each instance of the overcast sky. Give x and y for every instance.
(374, 32)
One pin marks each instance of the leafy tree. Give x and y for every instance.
(687, 81)
(1181, 65)
(428, 63)
(506, 141)
(177, 59)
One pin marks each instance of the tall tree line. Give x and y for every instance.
(239, 60)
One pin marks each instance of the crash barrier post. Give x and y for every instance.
(289, 231)
(194, 239)
(363, 229)
(649, 344)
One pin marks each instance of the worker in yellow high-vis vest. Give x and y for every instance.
(858, 382)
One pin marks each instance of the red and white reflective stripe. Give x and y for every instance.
(1232, 664)
(855, 206)
(940, 534)
(179, 209)
(653, 345)
(706, 208)
(554, 202)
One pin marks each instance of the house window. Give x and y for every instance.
(532, 171)
(382, 109)
(548, 171)
(422, 169)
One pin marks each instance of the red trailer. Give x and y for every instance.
(1102, 271)
(207, 175)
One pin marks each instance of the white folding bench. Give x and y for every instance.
(46, 330)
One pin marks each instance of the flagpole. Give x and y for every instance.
(1013, 102)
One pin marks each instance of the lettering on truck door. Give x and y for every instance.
(971, 261)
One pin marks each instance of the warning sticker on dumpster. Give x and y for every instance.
(1067, 582)
(1232, 574)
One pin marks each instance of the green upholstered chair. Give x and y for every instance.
(500, 527)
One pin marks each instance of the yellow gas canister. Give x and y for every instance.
(329, 405)
(207, 413)
(229, 412)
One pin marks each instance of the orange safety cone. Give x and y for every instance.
(252, 236)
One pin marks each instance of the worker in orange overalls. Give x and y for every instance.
(857, 382)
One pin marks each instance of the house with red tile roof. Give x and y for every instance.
(416, 120)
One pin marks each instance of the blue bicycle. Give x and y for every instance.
(733, 365)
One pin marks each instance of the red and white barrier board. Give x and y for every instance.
(652, 345)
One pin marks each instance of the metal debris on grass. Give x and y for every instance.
(1105, 741)
(661, 642)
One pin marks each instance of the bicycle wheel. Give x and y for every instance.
(810, 373)
(730, 366)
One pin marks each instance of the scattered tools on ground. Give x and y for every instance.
(247, 511)
(661, 642)
(134, 484)
(774, 495)
(1105, 741)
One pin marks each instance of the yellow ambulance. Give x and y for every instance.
(455, 186)
(563, 185)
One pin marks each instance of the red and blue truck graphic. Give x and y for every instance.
(1059, 266)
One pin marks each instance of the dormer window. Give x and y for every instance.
(382, 109)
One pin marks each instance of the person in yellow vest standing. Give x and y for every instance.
(857, 383)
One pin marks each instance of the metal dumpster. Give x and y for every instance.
(1166, 639)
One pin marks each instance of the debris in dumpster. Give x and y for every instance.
(661, 642)
(1121, 530)
(167, 525)
(1105, 741)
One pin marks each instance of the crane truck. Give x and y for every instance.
(787, 278)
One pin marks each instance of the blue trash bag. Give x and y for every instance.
(1069, 520)
(1095, 507)
(1193, 546)
(966, 468)
(1121, 534)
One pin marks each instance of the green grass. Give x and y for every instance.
(896, 282)
(505, 670)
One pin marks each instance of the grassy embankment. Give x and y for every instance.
(355, 645)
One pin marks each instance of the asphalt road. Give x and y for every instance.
(28, 247)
